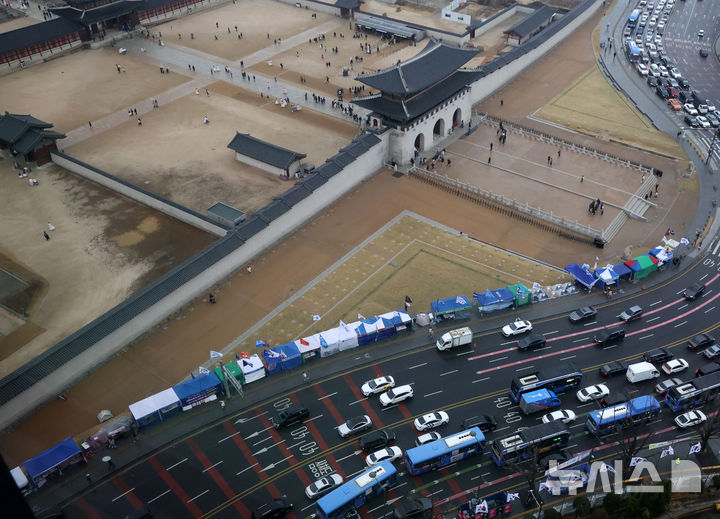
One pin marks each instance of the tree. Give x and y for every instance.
(630, 445)
(551, 513)
(530, 471)
(709, 428)
(582, 506)
(612, 502)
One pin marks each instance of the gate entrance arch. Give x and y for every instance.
(439, 129)
(457, 118)
(420, 142)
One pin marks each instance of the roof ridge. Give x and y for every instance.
(402, 78)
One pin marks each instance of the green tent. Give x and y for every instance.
(234, 369)
(642, 266)
(521, 293)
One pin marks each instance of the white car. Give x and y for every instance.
(593, 393)
(675, 73)
(675, 366)
(377, 385)
(565, 416)
(711, 107)
(702, 121)
(658, 42)
(517, 328)
(663, 71)
(701, 33)
(643, 69)
(654, 70)
(323, 486)
(427, 438)
(386, 454)
(690, 418)
(355, 425)
(431, 420)
(690, 108)
(396, 395)
(702, 108)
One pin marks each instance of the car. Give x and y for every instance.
(663, 70)
(654, 70)
(675, 366)
(672, 82)
(294, 414)
(484, 422)
(712, 352)
(377, 385)
(595, 392)
(710, 105)
(516, 328)
(427, 438)
(701, 341)
(652, 81)
(323, 485)
(704, 53)
(386, 454)
(691, 121)
(702, 121)
(558, 457)
(712, 119)
(662, 387)
(355, 425)
(396, 395)
(614, 368)
(675, 73)
(632, 313)
(672, 92)
(690, 419)
(376, 440)
(275, 508)
(684, 83)
(532, 342)
(702, 108)
(658, 355)
(660, 27)
(413, 507)
(643, 70)
(584, 313)
(707, 368)
(607, 337)
(690, 109)
(701, 33)
(674, 104)
(694, 291)
(431, 420)
(663, 82)
(685, 98)
(563, 415)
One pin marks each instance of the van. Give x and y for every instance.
(706, 369)
(290, 416)
(641, 371)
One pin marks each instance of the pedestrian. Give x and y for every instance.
(491, 147)
(47, 236)
(207, 92)
(642, 180)
(551, 161)
(51, 227)
(212, 299)
(602, 208)
(249, 269)
(89, 124)
(548, 160)
(582, 178)
(193, 67)
(305, 376)
(558, 153)
(489, 160)
(449, 162)
(502, 102)
(656, 187)
(139, 122)
(88, 477)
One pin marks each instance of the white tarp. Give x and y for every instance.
(346, 337)
(253, 368)
(154, 403)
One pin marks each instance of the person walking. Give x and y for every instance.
(46, 235)
(491, 147)
(489, 160)
(88, 477)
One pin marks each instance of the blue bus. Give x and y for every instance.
(557, 378)
(633, 51)
(606, 421)
(352, 494)
(444, 451)
(632, 20)
(521, 445)
(693, 394)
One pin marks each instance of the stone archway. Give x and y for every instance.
(439, 128)
(457, 118)
(420, 142)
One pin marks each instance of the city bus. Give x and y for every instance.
(693, 394)
(520, 446)
(633, 19)
(606, 421)
(633, 51)
(353, 494)
(557, 378)
(444, 451)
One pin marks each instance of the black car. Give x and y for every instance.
(484, 422)
(584, 313)
(658, 355)
(413, 507)
(684, 96)
(701, 341)
(691, 121)
(712, 119)
(694, 291)
(706, 369)
(704, 53)
(532, 342)
(275, 508)
(684, 83)
(663, 82)
(614, 368)
(376, 440)
(290, 416)
(652, 81)
(661, 91)
(559, 457)
(614, 398)
(607, 337)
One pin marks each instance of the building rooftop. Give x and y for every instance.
(40, 32)
(532, 22)
(245, 144)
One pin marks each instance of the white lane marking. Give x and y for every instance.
(658, 302)
(526, 367)
(716, 248)
(327, 396)
(591, 323)
(680, 324)
(431, 394)
(496, 360)
(581, 340)
(706, 275)
(577, 425)
(123, 494)
(486, 474)
(418, 365)
(213, 466)
(570, 357)
(437, 491)
(199, 495)
(646, 336)
(357, 401)
(178, 463)
(481, 379)
(308, 506)
(587, 404)
(464, 353)
(228, 437)
(652, 319)
(246, 468)
(506, 343)
(502, 428)
(471, 479)
(314, 418)
(543, 348)
(711, 308)
(681, 307)
(266, 439)
(346, 457)
(550, 333)
(610, 347)
(449, 372)
(158, 497)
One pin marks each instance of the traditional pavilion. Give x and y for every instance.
(28, 137)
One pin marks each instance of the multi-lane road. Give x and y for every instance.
(230, 467)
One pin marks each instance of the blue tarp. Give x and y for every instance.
(581, 274)
(622, 270)
(290, 357)
(367, 331)
(196, 390)
(458, 307)
(385, 328)
(51, 458)
(607, 276)
(494, 299)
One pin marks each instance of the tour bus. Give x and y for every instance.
(444, 451)
(353, 494)
(609, 420)
(522, 445)
(557, 379)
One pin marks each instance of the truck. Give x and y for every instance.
(454, 338)
(539, 400)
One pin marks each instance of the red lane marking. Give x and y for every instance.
(328, 403)
(567, 350)
(175, 487)
(401, 406)
(87, 508)
(240, 444)
(451, 481)
(283, 447)
(364, 403)
(124, 489)
(217, 478)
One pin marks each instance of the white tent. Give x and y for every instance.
(346, 337)
(329, 342)
(154, 407)
(252, 368)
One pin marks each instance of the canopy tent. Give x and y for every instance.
(233, 368)
(662, 254)
(198, 390)
(642, 266)
(366, 330)
(306, 349)
(328, 342)
(54, 459)
(493, 300)
(607, 275)
(156, 407)
(385, 328)
(581, 274)
(347, 337)
(458, 307)
(520, 293)
(284, 357)
(252, 367)
(622, 270)
(400, 319)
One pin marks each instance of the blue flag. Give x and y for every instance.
(323, 343)
(259, 343)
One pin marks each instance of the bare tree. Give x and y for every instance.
(631, 441)
(709, 428)
(530, 470)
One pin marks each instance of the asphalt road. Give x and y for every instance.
(229, 468)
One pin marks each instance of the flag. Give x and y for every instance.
(596, 260)
(215, 354)
(361, 317)
(259, 343)
(192, 376)
(316, 317)
(237, 357)
(695, 448)
(607, 468)
(512, 497)
(461, 301)
(323, 342)
(482, 508)
(635, 461)
(684, 241)
(667, 452)
(304, 342)
(203, 371)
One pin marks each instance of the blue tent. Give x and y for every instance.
(607, 276)
(290, 357)
(367, 331)
(622, 270)
(399, 318)
(581, 274)
(494, 299)
(385, 328)
(458, 307)
(59, 456)
(196, 390)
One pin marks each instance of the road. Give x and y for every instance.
(232, 466)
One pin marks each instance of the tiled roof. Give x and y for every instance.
(245, 144)
(532, 22)
(38, 33)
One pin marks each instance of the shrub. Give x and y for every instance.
(582, 506)
(612, 503)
